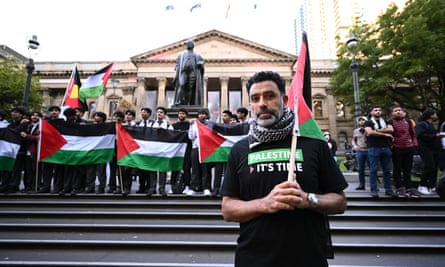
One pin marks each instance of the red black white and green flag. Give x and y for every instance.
(216, 139)
(73, 144)
(71, 98)
(9, 147)
(151, 149)
(300, 96)
(95, 84)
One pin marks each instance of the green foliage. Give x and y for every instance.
(401, 59)
(12, 86)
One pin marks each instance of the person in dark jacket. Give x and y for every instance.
(429, 146)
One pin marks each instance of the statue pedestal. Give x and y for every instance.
(191, 109)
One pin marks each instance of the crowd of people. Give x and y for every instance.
(31, 176)
(389, 146)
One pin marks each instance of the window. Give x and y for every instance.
(151, 99)
(234, 100)
(170, 98)
(213, 104)
(340, 107)
(112, 109)
(317, 106)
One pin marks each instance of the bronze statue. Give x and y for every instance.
(188, 81)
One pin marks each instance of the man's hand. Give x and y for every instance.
(285, 196)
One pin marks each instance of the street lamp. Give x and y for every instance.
(33, 44)
(352, 46)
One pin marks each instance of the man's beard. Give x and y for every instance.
(274, 116)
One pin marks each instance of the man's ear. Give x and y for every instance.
(285, 98)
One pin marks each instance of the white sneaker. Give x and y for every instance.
(423, 190)
(186, 189)
(207, 192)
(190, 193)
(170, 191)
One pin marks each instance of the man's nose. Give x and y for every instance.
(262, 102)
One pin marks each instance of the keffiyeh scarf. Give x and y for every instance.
(276, 132)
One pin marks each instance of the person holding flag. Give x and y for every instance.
(283, 221)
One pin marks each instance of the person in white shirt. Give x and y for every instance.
(201, 172)
(3, 122)
(147, 179)
(161, 122)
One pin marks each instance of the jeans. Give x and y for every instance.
(380, 156)
(362, 160)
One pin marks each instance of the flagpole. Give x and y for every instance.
(38, 151)
(37, 174)
(293, 150)
(67, 87)
(120, 179)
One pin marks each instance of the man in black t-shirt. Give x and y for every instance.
(282, 223)
(379, 138)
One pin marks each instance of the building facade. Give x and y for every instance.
(146, 80)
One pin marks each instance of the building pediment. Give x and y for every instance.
(216, 46)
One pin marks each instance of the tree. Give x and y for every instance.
(401, 57)
(12, 86)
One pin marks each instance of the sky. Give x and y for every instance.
(115, 30)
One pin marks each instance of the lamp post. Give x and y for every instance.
(352, 46)
(32, 44)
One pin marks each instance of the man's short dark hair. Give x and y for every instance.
(132, 112)
(51, 108)
(228, 112)
(18, 110)
(183, 110)
(163, 109)
(101, 114)
(375, 106)
(243, 110)
(119, 114)
(69, 112)
(204, 111)
(148, 110)
(267, 76)
(79, 109)
(39, 114)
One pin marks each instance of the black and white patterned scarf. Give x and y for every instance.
(278, 131)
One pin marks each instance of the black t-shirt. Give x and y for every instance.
(376, 141)
(285, 238)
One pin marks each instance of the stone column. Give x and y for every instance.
(288, 82)
(244, 94)
(46, 97)
(139, 93)
(224, 93)
(162, 81)
(205, 98)
(332, 115)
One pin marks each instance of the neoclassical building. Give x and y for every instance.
(146, 79)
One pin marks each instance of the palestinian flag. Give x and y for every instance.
(71, 98)
(9, 147)
(300, 96)
(216, 140)
(150, 149)
(73, 144)
(95, 84)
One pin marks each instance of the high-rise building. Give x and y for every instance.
(326, 20)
